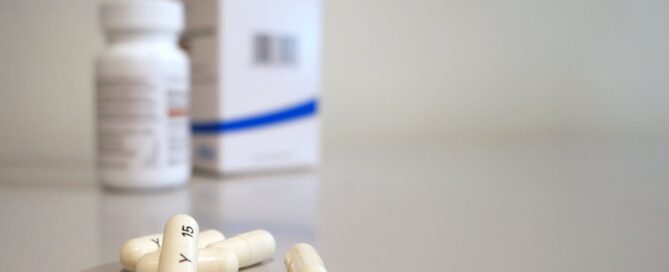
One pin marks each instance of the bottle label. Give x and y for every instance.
(179, 131)
(142, 122)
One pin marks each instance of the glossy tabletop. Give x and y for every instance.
(590, 206)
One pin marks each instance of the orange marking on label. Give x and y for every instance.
(178, 112)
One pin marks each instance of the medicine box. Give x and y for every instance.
(255, 83)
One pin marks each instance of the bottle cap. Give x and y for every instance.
(166, 15)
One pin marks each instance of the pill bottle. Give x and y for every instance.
(142, 96)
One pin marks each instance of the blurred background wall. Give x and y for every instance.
(398, 72)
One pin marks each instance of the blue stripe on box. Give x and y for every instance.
(294, 112)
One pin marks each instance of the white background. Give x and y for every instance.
(395, 73)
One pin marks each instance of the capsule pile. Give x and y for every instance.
(183, 248)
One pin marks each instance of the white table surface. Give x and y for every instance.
(592, 206)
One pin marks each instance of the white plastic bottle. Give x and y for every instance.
(142, 82)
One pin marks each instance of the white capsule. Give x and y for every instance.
(179, 250)
(148, 263)
(217, 260)
(303, 258)
(208, 260)
(250, 248)
(135, 249)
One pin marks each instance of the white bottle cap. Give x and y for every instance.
(166, 15)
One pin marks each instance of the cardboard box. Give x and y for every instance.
(255, 83)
